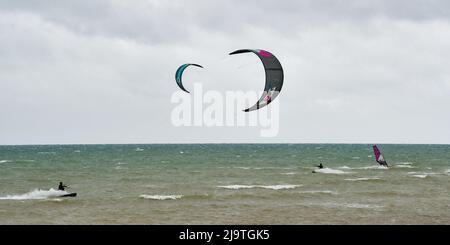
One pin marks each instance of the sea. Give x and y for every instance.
(223, 184)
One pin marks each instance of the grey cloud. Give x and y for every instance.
(155, 22)
(102, 71)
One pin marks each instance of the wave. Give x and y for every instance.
(120, 168)
(353, 205)
(330, 171)
(403, 163)
(161, 197)
(5, 161)
(448, 171)
(422, 176)
(289, 173)
(360, 205)
(35, 195)
(263, 168)
(318, 192)
(139, 149)
(363, 179)
(427, 173)
(272, 187)
(364, 168)
(403, 166)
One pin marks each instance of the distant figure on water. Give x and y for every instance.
(320, 166)
(61, 187)
(379, 157)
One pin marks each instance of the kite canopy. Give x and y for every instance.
(274, 76)
(179, 74)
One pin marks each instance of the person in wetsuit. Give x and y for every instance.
(61, 187)
(320, 166)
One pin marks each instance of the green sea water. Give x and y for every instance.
(225, 184)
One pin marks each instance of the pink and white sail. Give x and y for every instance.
(378, 156)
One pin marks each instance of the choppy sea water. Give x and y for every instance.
(225, 184)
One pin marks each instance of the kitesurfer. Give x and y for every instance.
(61, 187)
(320, 166)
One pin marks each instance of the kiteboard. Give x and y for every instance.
(69, 195)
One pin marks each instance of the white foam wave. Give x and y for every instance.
(403, 163)
(330, 171)
(120, 168)
(121, 163)
(272, 187)
(404, 166)
(360, 205)
(353, 205)
(263, 168)
(374, 167)
(279, 187)
(5, 161)
(161, 197)
(289, 173)
(318, 192)
(35, 195)
(448, 171)
(365, 168)
(422, 176)
(139, 149)
(356, 158)
(363, 179)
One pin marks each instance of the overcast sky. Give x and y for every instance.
(103, 71)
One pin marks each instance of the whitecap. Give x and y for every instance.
(353, 205)
(363, 179)
(373, 167)
(290, 173)
(272, 187)
(5, 161)
(404, 163)
(330, 171)
(422, 176)
(161, 197)
(279, 187)
(318, 192)
(236, 187)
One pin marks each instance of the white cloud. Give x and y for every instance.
(102, 72)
